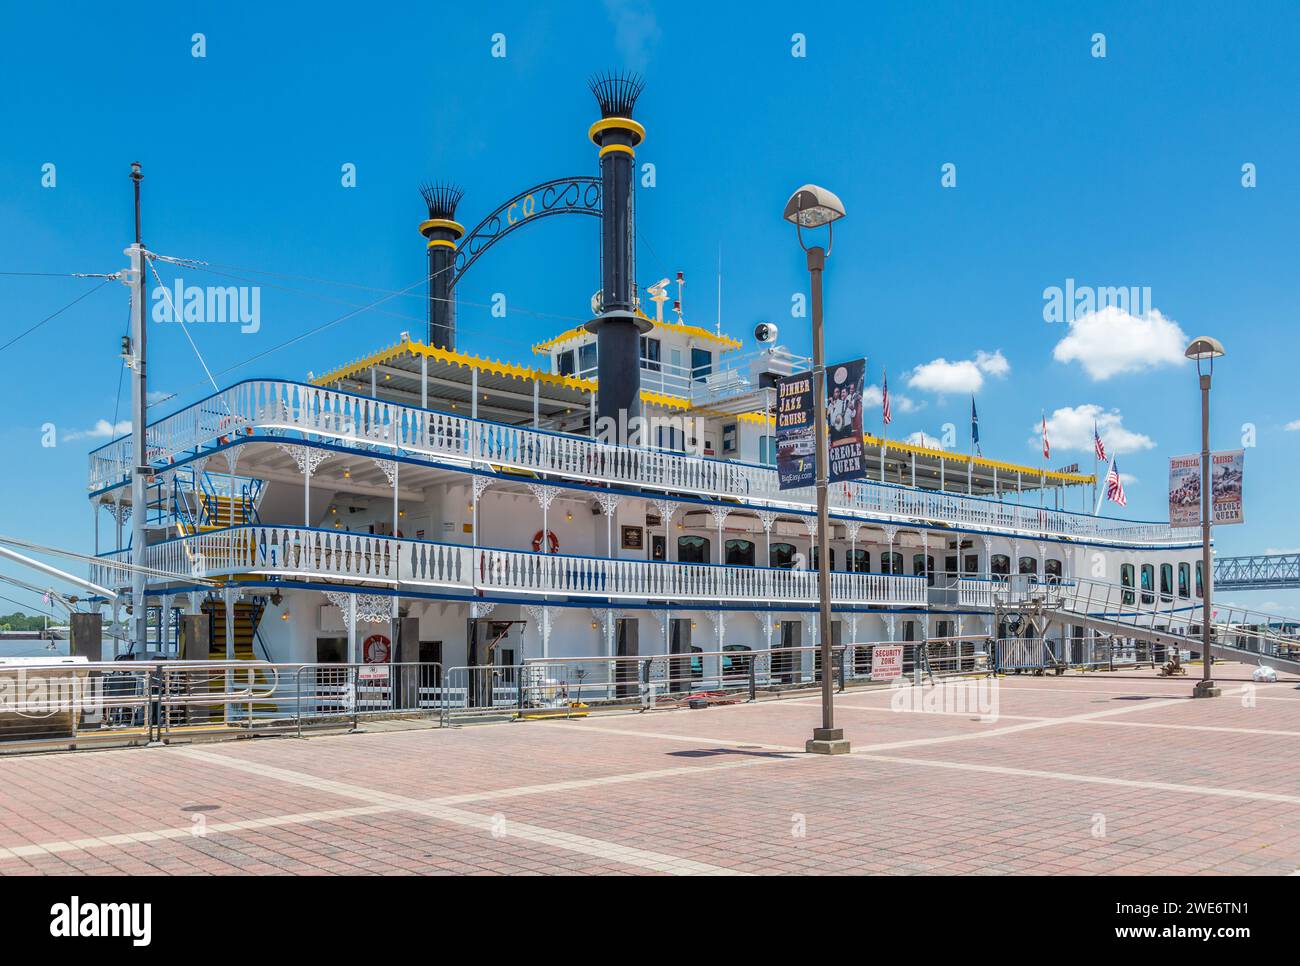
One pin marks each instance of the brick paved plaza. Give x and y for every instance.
(1078, 774)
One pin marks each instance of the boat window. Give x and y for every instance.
(859, 561)
(1167, 581)
(767, 450)
(816, 558)
(971, 563)
(740, 553)
(564, 362)
(1052, 567)
(891, 563)
(1184, 580)
(1029, 565)
(1148, 583)
(782, 555)
(701, 364)
(1200, 586)
(587, 357)
(1000, 565)
(1126, 579)
(649, 353)
(693, 549)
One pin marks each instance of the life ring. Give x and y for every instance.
(552, 542)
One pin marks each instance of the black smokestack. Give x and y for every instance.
(443, 232)
(618, 328)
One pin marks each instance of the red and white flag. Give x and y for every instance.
(1047, 447)
(1097, 444)
(885, 414)
(1115, 487)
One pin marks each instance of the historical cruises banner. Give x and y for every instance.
(795, 439)
(844, 414)
(1227, 472)
(796, 443)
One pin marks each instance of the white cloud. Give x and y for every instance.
(1275, 552)
(961, 375)
(159, 395)
(1111, 342)
(1292, 426)
(873, 398)
(923, 439)
(1128, 480)
(102, 429)
(1070, 428)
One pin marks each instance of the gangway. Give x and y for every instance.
(1141, 614)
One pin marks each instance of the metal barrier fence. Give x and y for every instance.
(560, 687)
(68, 705)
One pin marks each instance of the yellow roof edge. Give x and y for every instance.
(726, 341)
(963, 458)
(485, 365)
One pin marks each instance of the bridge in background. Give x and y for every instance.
(1260, 572)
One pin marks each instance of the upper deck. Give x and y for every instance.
(282, 409)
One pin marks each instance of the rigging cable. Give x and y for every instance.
(53, 315)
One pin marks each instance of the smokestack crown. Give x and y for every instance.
(616, 92)
(441, 199)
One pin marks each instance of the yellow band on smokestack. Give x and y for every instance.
(426, 226)
(624, 123)
(616, 147)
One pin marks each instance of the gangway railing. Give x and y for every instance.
(1145, 613)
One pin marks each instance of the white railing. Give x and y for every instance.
(289, 407)
(303, 553)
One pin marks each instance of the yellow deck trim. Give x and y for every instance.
(693, 331)
(468, 361)
(1032, 472)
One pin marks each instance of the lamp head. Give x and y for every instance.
(1204, 347)
(812, 206)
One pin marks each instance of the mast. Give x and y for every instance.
(139, 396)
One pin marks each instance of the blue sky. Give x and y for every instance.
(1117, 171)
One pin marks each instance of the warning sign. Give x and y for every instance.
(886, 662)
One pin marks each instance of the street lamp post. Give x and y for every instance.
(1205, 349)
(812, 207)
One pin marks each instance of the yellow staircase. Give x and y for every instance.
(247, 616)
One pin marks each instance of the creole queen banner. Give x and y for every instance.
(796, 443)
(1227, 474)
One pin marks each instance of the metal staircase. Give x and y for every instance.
(1141, 614)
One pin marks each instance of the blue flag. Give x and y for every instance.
(974, 426)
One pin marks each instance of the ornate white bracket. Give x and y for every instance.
(340, 600)
(541, 617)
(852, 529)
(231, 454)
(608, 502)
(480, 484)
(545, 494)
(719, 514)
(768, 518)
(810, 524)
(480, 609)
(306, 458)
(890, 533)
(666, 509)
(388, 468)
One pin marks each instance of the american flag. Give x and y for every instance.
(885, 414)
(1097, 444)
(1114, 487)
(1047, 447)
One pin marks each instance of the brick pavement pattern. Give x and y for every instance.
(1079, 774)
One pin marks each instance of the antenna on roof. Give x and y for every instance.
(719, 326)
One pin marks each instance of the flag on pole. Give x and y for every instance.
(1047, 447)
(885, 414)
(1115, 487)
(1097, 444)
(974, 427)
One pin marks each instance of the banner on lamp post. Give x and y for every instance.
(1227, 473)
(796, 443)
(844, 418)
